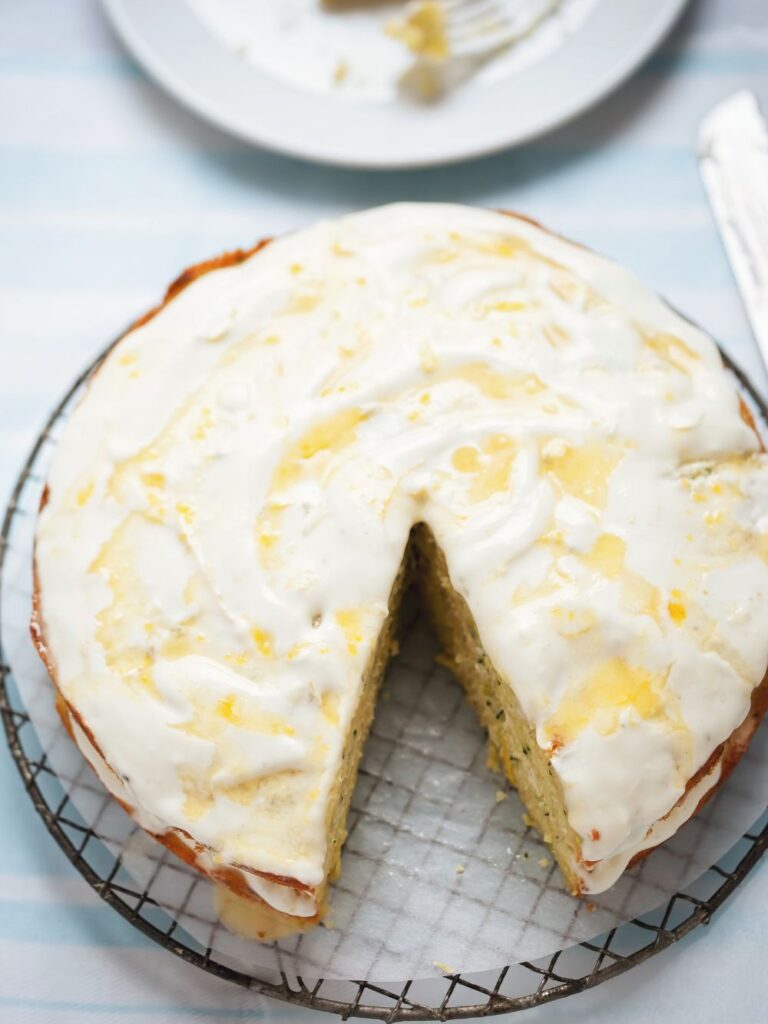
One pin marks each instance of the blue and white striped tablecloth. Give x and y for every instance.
(107, 189)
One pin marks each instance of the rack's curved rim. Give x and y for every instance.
(547, 983)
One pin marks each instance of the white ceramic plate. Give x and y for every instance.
(338, 127)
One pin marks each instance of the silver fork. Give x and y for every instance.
(480, 28)
(475, 32)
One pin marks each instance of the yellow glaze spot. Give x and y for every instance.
(509, 246)
(195, 806)
(422, 30)
(140, 465)
(613, 689)
(272, 339)
(505, 246)
(84, 494)
(466, 459)
(303, 302)
(557, 336)
(243, 793)
(116, 563)
(227, 710)
(155, 508)
(584, 472)
(209, 721)
(671, 349)
(676, 607)
(204, 424)
(491, 470)
(129, 359)
(330, 436)
(572, 290)
(570, 622)
(154, 480)
(268, 533)
(498, 385)
(338, 250)
(181, 645)
(267, 539)
(263, 641)
(608, 557)
(330, 705)
(350, 621)
(506, 306)
(186, 512)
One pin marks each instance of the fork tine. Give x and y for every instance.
(464, 9)
(483, 28)
(452, 5)
(475, 26)
(467, 16)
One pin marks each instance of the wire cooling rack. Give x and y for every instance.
(100, 840)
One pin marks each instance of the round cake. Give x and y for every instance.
(419, 393)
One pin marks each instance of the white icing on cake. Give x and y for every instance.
(230, 503)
